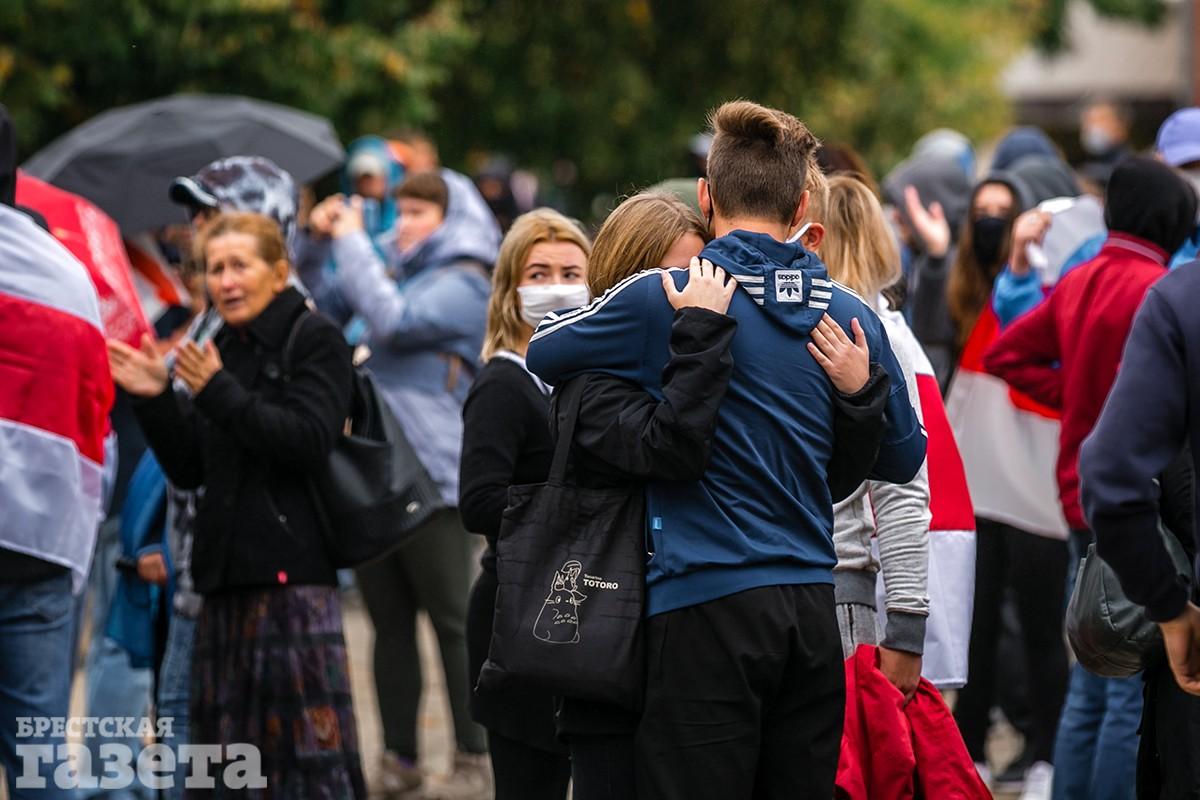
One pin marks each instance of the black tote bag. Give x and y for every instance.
(571, 569)
(373, 491)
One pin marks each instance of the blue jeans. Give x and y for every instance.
(114, 688)
(36, 623)
(1095, 751)
(175, 691)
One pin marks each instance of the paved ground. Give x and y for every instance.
(436, 737)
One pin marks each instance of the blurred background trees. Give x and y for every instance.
(610, 92)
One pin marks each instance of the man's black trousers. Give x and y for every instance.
(744, 698)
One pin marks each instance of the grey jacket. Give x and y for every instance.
(897, 516)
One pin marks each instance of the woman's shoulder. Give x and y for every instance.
(504, 379)
(314, 333)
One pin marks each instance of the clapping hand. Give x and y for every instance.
(195, 366)
(141, 372)
(335, 216)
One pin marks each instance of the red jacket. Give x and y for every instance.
(891, 751)
(1066, 351)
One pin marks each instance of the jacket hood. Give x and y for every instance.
(948, 143)
(469, 233)
(374, 152)
(936, 178)
(374, 149)
(1046, 178)
(1148, 199)
(1021, 191)
(1022, 142)
(8, 159)
(788, 282)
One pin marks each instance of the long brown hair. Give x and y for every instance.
(505, 328)
(969, 285)
(858, 249)
(637, 235)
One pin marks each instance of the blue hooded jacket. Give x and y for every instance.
(762, 515)
(425, 314)
(379, 216)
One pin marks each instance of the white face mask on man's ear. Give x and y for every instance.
(795, 237)
(538, 301)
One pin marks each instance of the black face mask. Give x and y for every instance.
(987, 239)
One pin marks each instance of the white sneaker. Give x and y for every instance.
(985, 774)
(470, 780)
(398, 779)
(1039, 779)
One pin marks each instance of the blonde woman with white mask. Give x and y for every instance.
(542, 268)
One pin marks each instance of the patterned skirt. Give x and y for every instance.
(270, 670)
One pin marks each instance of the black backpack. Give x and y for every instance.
(373, 491)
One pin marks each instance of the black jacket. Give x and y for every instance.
(250, 438)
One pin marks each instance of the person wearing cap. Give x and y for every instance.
(1178, 145)
(237, 183)
(240, 183)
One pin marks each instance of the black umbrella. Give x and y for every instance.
(125, 159)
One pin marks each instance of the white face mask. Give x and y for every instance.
(538, 301)
(1096, 141)
(798, 235)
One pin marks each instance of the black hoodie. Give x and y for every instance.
(1146, 198)
(8, 159)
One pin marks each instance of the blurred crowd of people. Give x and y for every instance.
(872, 427)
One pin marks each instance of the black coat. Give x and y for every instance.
(251, 438)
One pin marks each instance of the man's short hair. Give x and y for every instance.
(759, 161)
(427, 186)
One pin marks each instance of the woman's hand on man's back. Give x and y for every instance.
(707, 287)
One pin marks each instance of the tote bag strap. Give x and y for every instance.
(572, 396)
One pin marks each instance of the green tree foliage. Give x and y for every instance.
(619, 87)
(366, 64)
(615, 86)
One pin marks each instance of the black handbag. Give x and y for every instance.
(374, 490)
(1108, 632)
(571, 568)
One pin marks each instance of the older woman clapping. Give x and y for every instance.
(270, 659)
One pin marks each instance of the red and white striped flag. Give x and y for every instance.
(951, 583)
(1009, 443)
(55, 396)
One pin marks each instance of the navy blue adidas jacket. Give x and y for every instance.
(762, 514)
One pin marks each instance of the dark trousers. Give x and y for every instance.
(430, 571)
(527, 773)
(1036, 569)
(528, 761)
(744, 698)
(1168, 765)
